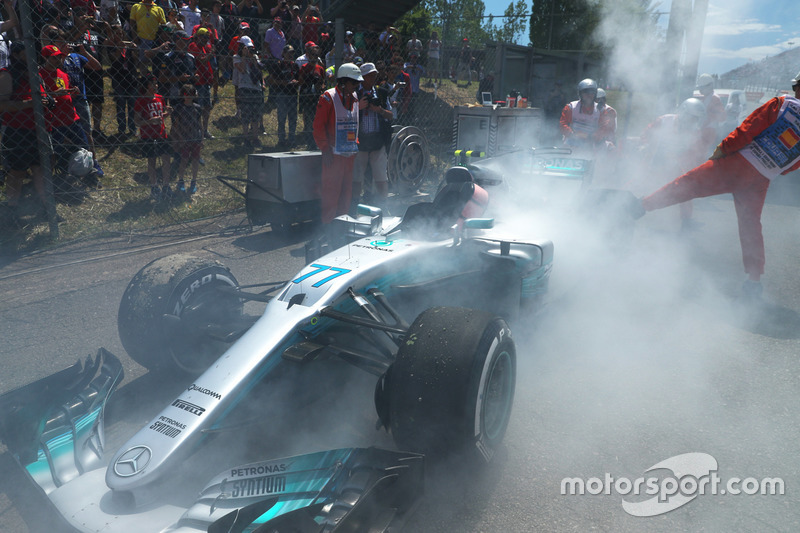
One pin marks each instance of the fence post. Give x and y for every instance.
(43, 138)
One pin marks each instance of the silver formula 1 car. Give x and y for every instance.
(422, 303)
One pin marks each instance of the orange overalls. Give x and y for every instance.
(768, 139)
(335, 132)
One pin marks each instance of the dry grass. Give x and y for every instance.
(123, 205)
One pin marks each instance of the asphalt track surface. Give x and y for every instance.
(639, 357)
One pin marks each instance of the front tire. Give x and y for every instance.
(451, 388)
(181, 286)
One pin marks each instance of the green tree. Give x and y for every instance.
(565, 24)
(514, 23)
(457, 19)
(418, 21)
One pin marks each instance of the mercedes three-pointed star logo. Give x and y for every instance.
(133, 461)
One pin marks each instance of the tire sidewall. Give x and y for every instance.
(437, 387)
(182, 295)
(496, 353)
(164, 286)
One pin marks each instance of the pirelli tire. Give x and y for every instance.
(451, 388)
(183, 287)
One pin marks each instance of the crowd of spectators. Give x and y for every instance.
(165, 64)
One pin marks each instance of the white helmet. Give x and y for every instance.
(705, 79)
(693, 110)
(796, 79)
(349, 71)
(587, 85)
(600, 94)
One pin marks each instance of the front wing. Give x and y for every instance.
(54, 430)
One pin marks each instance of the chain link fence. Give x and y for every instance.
(119, 117)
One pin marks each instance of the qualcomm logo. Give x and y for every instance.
(133, 461)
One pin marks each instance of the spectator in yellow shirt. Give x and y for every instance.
(145, 19)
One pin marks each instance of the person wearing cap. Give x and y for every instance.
(19, 144)
(274, 40)
(243, 28)
(177, 68)
(374, 133)
(252, 12)
(75, 65)
(764, 146)
(303, 59)
(145, 18)
(248, 80)
(336, 134)
(205, 80)
(67, 133)
(205, 22)
(715, 109)
(311, 81)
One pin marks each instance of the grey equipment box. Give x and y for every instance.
(283, 188)
(496, 130)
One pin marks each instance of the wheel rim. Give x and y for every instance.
(194, 354)
(498, 396)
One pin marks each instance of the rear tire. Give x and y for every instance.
(451, 388)
(183, 286)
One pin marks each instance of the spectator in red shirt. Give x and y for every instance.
(201, 49)
(67, 133)
(311, 24)
(150, 112)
